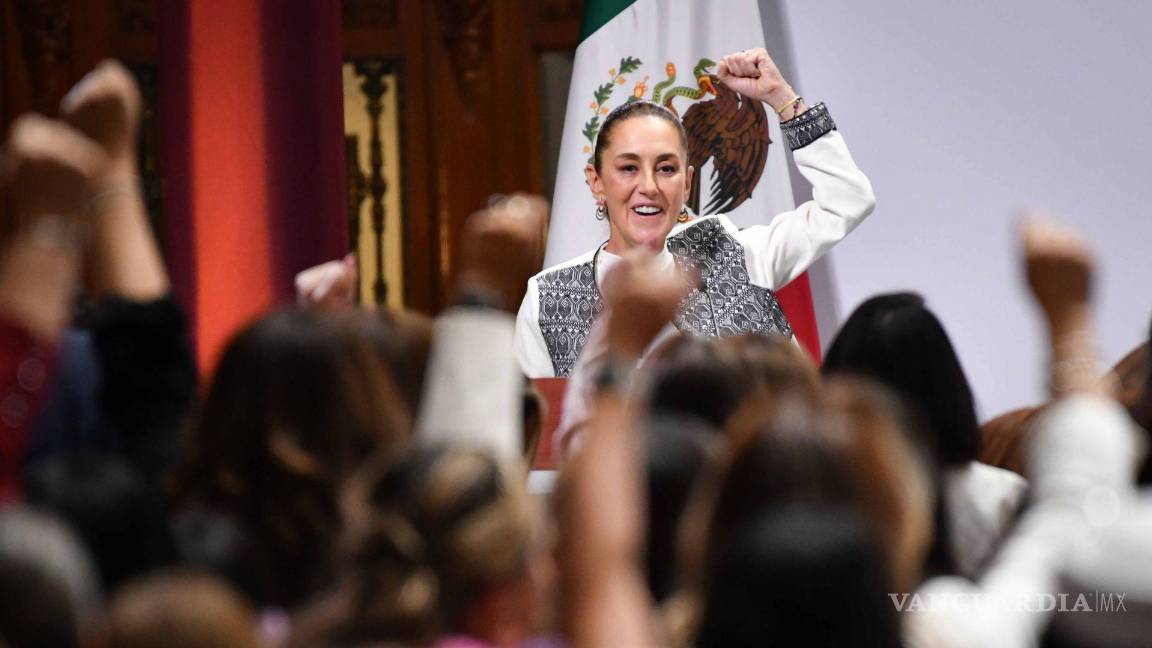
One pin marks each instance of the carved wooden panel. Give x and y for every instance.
(466, 27)
(467, 90)
(561, 10)
(136, 16)
(44, 27)
(556, 24)
(359, 14)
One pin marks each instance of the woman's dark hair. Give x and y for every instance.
(120, 516)
(789, 459)
(896, 340)
(48, 588)
(889, 460)
(798, 576)
(694, 377)
(624, 112)
(677, 453)
(296, 403)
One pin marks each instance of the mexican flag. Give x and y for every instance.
(666, 51)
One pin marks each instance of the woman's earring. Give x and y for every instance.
(601, 211)
(684, 216)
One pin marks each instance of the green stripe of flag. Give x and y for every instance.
(599, 12)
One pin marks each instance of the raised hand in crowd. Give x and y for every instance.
(640, 300)
(329, 287)
(48, 169)
(106, 107)
(501, 248)
(601, 501)
(1059, 267)
(476, 396)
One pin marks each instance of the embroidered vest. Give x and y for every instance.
(729, 304)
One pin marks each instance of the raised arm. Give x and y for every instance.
(473, 387)
(842, 196)
(105, 105)
(1080, 462)
(601, 500)
(47, 169)
(139, 331)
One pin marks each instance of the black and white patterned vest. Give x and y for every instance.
(729, 304)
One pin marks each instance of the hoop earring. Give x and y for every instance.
(601, 212)
(684, 215)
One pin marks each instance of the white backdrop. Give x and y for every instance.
(962, 113)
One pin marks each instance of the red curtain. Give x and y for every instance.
(252, 129)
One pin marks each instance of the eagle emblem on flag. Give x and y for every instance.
(723, 128)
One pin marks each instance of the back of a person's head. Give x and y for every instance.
(427, 535)
(296, 402)
(170, 610)
(677, 453)
(402, 340)
(894, 482)
(774, 365)
(695, 377)
(120, 517)
(896, 340)
(798, 576)
(48, 588)
(787, 459)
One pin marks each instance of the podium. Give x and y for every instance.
(552, 391)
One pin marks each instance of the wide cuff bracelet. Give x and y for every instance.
(810, 126)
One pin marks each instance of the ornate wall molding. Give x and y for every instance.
(561, 10)
(136, 16)
(466, 27)
(47, 47)
(357, 189)
(361, 14)
(373, 71)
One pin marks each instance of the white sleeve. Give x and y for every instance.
(1082, 460)
(841, 199)
(531, 352)
(473, 389)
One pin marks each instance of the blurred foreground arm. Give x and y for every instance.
(139, 330)
(473, 387)
(1059, 267)
(601, 498)
(46, 168)
(105, 106)
(1080, 464)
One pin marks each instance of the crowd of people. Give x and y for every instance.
(348, 477)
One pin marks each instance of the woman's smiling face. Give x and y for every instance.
(643, 181)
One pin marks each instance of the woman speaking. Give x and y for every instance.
(640, 178)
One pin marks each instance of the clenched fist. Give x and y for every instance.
(105, 105)
(754, 74)
(503, 246)
(1058, 265)
(48, 168)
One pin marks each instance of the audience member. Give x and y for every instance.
(895, 339)
(173, 610)
(49, 594)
